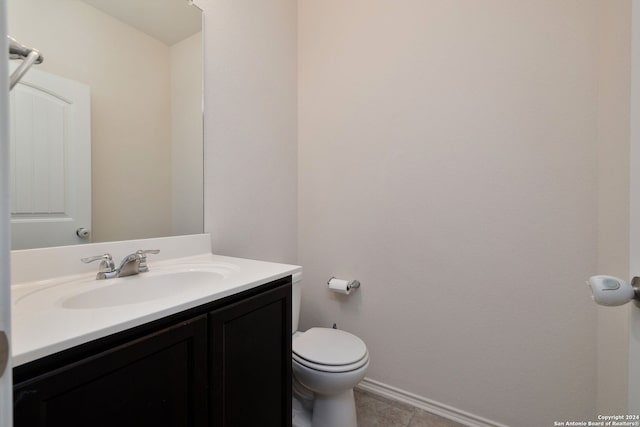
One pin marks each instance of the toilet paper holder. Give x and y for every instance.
(352, 284)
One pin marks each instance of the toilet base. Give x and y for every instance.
(301, 416)
(335, 410)
(328, 411)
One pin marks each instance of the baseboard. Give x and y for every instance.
(445, 411)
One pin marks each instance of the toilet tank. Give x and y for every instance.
(296, 298)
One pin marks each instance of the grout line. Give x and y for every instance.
(413, 414)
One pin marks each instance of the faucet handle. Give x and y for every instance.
(104, 257)
(148, 251)
(106, 264)
(143, 258)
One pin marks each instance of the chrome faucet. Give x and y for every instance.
(107, 268)
(143, 267)
(131, 264)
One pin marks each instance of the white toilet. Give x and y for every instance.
(327, 364)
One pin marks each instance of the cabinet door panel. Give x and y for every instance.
(251, 361)
(157, 380)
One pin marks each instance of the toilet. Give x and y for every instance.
(327, 364)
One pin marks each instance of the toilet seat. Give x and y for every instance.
(329, 350)
(331, 368)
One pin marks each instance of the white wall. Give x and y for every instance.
(447, 159)
(457, 158)
(250, 128)
(186, 136)
(613, 190)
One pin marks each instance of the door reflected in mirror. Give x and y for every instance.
(141, 63)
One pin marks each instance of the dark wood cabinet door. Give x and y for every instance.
(250, 347)
(157, 380)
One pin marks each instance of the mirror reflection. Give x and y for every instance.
(106, 133)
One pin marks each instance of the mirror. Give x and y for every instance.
(141, 62)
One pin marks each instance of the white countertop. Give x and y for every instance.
(42, 324)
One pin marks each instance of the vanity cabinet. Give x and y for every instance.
(226, 363)
(157, 379)
(250, 348)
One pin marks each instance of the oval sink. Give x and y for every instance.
(141, 288)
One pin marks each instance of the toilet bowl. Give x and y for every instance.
(327, 364)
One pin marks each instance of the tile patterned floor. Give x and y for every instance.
(376, 411)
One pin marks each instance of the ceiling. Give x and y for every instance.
(169, 21)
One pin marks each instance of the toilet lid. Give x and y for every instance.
(327, 346)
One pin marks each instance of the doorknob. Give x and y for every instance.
(612, 291)
(4, 352)
(83, 233)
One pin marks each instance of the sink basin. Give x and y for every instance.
(179, 282)
(141, 288)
